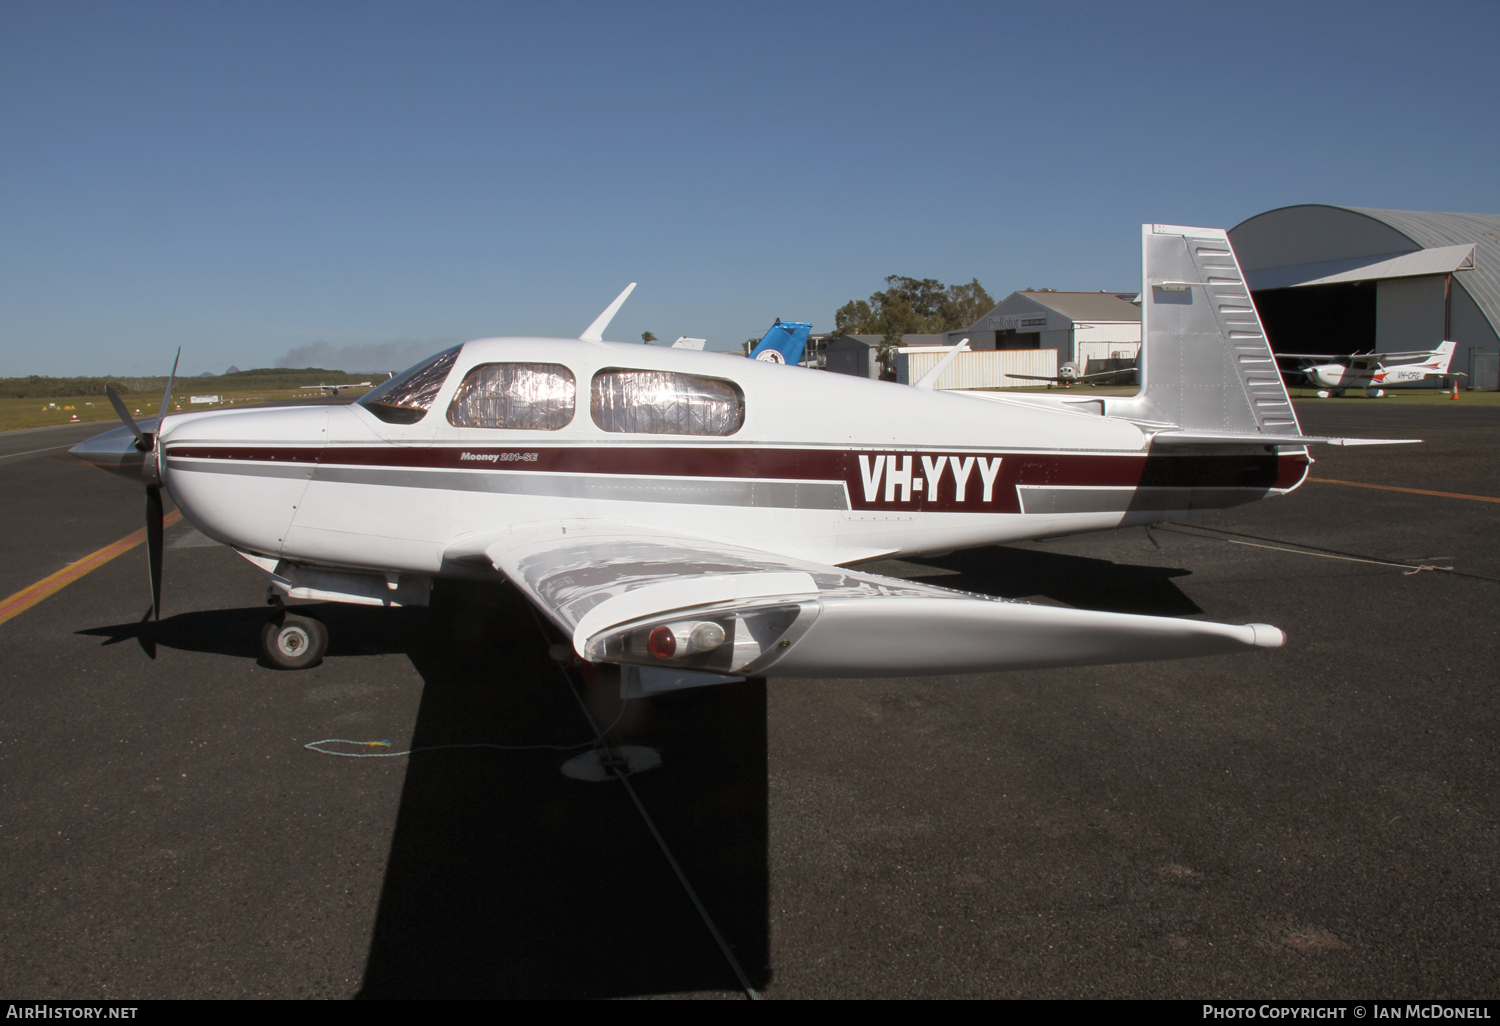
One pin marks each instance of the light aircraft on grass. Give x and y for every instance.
(1070, 374)
(336, 388)
(697, 517)
(1375, 372)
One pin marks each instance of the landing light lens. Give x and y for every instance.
(662, 643)
(706, 636)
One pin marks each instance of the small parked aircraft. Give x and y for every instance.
(336, 388)
(697, 516)
(1070, 374)
(1375, 372)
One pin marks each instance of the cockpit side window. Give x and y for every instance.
(406, 398)
(524, 396)
(663, 403)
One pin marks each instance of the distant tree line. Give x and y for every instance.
(35, 386)
(914, 306)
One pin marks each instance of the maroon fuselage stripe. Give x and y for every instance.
(1127, 470)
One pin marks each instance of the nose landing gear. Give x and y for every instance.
(291, 641)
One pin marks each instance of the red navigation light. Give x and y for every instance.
(662, 643)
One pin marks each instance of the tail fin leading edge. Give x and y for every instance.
(1206, 365)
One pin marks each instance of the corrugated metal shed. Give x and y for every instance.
(1432, 230)
(1329, 226)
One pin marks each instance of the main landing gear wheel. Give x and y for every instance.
(292, 642)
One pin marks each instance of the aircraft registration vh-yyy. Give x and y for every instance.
(696, 514)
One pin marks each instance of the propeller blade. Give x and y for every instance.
(154, 518)
(167, 395)
(141, 441)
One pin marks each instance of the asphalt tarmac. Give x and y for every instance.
(1317, 821)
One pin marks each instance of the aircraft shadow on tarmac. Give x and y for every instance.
(507, 879)
(1076, 581)
(352, 630)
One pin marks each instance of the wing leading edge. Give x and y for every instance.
(633, 595)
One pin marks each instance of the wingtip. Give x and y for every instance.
(1267, 636)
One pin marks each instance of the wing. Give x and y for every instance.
(637, 595)
(1414, 355)
(1104, 374)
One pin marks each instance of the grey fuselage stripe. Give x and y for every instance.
(1044, 500)
(693, 491)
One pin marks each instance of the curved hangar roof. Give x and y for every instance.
(1319, 244)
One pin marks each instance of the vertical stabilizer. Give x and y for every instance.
(1205, 362)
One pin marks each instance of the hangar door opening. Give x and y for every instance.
(1334, 319)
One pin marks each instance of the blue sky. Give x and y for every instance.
(246, 180)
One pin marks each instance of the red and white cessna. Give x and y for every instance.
(1376, 372)
(694, 513)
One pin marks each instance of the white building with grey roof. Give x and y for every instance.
(1081, 326)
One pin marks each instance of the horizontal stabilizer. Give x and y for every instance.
(1176, 438)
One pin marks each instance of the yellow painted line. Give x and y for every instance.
(1413, 491)
(28, 597)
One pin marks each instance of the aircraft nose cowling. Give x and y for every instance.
(116, 452)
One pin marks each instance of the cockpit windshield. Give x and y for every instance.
(406, 398)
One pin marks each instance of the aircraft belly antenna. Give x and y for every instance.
(595, 332)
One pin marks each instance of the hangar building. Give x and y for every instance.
(1340, 280)
(1081, 326)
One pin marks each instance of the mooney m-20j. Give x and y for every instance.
(1375, 372)
(696, 514)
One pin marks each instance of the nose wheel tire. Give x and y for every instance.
(292, 642)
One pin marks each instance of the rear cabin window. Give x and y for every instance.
(524, 396)
(662, 403)
(406, 398)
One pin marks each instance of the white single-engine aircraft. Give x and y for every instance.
(1375, 372)
(335, 389)
(1070, 374)
(672, 509)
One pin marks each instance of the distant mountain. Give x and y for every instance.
(207, 374)
(232, 369)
